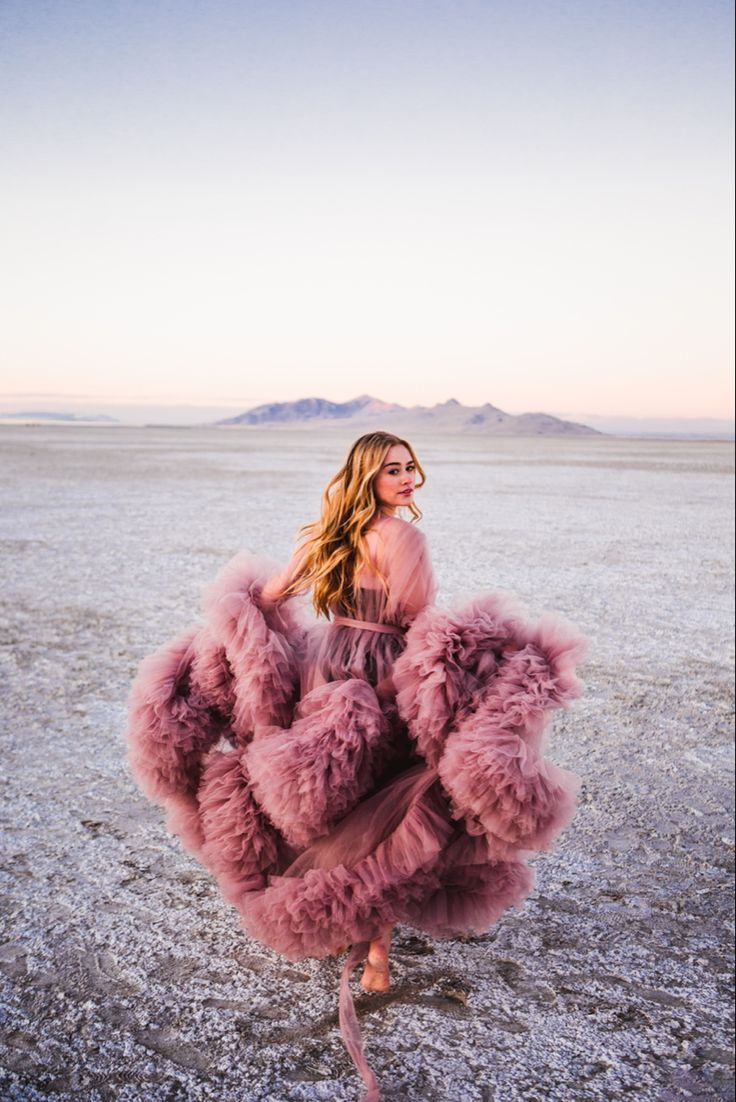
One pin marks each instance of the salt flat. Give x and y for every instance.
(125, 975)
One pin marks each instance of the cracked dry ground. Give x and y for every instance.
(124, 974)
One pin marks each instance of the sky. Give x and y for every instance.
(219, 203)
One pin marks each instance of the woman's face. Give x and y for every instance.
(394, 483)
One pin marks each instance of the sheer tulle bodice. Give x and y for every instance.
(392, 595)
(397, 585)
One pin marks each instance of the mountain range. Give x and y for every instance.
(31, 416)
(368, 412)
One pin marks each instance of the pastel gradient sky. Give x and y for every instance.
(525, 202)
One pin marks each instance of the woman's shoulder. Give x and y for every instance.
(390, 523)
(397, 530)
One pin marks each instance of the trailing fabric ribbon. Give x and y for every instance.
(349, 1027)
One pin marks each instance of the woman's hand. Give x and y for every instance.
(271, 592)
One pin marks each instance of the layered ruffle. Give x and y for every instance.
(476, 687)
(224, 679)
(263, 643)
(241, 845)
(450, 658)
(171, 726)
(308, 776)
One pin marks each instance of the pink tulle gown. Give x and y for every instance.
(338, 778)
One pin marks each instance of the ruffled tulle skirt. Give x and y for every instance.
(371, 780)
(397, 857)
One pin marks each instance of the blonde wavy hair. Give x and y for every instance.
(334, 546)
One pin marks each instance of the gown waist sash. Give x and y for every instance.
(369, 625)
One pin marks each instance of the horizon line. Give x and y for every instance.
(227, 403)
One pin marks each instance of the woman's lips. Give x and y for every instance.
(405, 493)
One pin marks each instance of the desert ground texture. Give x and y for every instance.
(125, 976)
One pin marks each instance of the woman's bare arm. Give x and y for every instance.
(274, 588)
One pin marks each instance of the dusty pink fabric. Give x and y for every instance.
(337, 779)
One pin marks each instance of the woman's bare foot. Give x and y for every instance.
(376, 976)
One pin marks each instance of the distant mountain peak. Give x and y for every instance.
(369, 413)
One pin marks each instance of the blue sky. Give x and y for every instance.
(522, 203)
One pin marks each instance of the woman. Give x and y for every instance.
(385, 766)
(357, 534)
